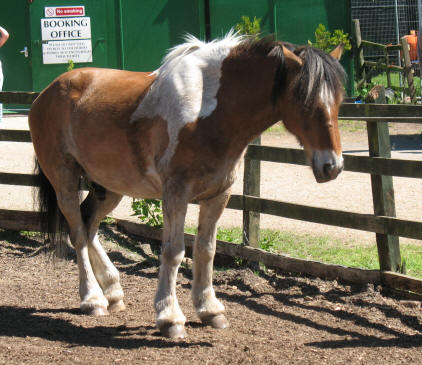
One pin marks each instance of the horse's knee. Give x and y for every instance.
(171, 256)
(78, 237)
(204, 250)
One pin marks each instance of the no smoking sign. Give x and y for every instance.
(64, 11)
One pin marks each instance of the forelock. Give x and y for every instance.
(320, 73)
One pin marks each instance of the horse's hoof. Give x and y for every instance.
(218, 321)
(95, 311)
(116, 306)
(173, 331)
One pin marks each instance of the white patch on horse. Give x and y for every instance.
(327, 98)
(186, 85)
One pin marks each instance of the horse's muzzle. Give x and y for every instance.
(326, 165)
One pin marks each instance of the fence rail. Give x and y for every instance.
(18, 97)
(364, 67)
(379, 165)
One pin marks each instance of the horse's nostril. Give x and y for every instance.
(328, 168)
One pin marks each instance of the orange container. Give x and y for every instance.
(412, 40)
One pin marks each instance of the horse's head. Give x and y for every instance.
(312, 96)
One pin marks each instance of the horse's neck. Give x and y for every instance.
(244, 108)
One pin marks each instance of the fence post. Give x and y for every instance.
(251, 186)
(360, 60)
(388, 70)
(408, 73)
(383, 192)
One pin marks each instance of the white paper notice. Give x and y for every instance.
(65, 39)
(62, 51)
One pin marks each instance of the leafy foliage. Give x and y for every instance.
(149, 211)
(248, 26)
(364, 91)
(70, 65)
(327, 41)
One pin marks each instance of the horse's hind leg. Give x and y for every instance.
(95, 207)
(93, 300)
(208, 307)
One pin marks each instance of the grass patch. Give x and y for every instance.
(324, 248)
(277, 128)
(32, 234)
(381, 79)
(412, 255)
(344, 125)
(351, 126)
(233, 235)
(108, 220)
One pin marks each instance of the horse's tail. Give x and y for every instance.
(53, 223)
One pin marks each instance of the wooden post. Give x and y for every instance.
(408, 72)
(360, 61)
(383, 192)
(387, 63)
(251, 186)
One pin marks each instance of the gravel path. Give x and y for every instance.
(290, 183)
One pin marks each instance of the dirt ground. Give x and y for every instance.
(274, 319)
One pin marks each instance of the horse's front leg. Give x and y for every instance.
(208, 307)
(170, 318)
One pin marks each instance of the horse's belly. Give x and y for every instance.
(129, 182)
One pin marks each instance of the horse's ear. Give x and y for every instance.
(289, 55)
(337, 52)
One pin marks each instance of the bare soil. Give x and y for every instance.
(275, 319)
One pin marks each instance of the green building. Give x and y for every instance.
(135, 34)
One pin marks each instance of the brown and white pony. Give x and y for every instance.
(177, 134)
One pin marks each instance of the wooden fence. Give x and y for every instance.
(379, 164)
(384, 63)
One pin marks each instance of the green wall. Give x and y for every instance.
(104, 36)
(150, 27)
(289, 20)
(17, 69)
(135, 34)
(224, 14)
(296, 21)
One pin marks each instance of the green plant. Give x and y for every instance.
(149, 211)
(327, 41)
(108, 220)
(31, 234)
(248, 26)
(364, 91)
(277, 128)
(70, 65)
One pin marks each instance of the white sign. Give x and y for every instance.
(53, 29)
(62, 51)
(64, 11)
(66, 39)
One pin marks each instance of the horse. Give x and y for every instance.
(177, 134)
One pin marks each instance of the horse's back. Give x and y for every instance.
(92, 89)
(83, 116)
